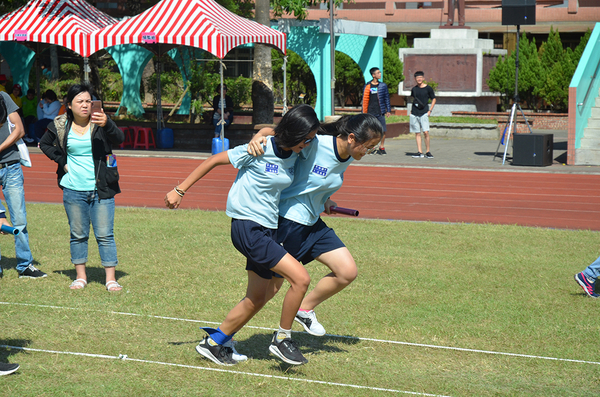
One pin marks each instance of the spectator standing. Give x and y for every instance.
(376, 101)
(11, 180)
(420, 112)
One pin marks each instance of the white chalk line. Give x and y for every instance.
(462, 349)
(125, 358)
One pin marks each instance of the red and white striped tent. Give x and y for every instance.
(196, 23)
(67, 23)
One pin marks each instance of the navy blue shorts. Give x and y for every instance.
(305, 243)
(257, 243)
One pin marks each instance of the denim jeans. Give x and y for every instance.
(11, 179)
(83, 208)
(218, 127)
(593, 270)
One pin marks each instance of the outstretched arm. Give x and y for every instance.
(173, 198)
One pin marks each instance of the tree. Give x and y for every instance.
(392, 65)
(302, 88)
(349, 79)
(262, 87)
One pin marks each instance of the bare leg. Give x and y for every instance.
(80, 270)
(261, 290)
(418, 139)
(343, 272)
(299, 280)
(257, 295)
(382, 144)
(111, 276)
(426, 138)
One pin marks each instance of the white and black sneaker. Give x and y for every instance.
(235, 355)
(32, 272)
(287, 350)
(418, 155)
(309, 322)
(8, 368)
(218, 354)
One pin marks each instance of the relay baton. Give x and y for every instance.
(9, 230)
(343, 211)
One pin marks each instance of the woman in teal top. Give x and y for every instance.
(81, 144)
(252, 204)
(318, 174)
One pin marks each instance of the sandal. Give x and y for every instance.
(78, 284)
(113, 286)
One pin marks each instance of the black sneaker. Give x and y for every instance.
(419, 155)
(381, 151)
(429, 155)
(32, 272)
(8, 368)
(287, 350)
(218, 354)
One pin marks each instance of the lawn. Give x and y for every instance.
(437, 309)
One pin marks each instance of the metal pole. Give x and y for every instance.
(285, 109)
(222, 106)
(332, 48)
(516, 98)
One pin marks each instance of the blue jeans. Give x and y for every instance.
(593, 270)
(82, 209)
(11, 179)
(218, 127)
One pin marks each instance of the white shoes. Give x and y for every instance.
(310, 323)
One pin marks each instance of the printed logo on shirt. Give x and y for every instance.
(317, 169)
(291, 171)
(272, 168)
(373, 90)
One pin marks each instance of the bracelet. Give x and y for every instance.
(179, 191)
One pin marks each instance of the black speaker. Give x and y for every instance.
(518, 12)
(532, 149)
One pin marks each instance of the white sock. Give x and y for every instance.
(284, 334)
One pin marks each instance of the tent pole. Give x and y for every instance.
(222, 106)
(285, 109)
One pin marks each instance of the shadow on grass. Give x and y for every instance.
(256, 347)
(6, 352)
(11, 263)
(94, 274)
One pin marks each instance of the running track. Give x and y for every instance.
(566, 201)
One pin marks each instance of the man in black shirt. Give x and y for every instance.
(420, 112)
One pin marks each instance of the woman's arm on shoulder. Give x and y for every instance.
(259, 140)
(173, 198)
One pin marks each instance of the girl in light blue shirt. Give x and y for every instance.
(318, 174)
(252, 204)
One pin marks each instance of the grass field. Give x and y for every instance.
(437, 309)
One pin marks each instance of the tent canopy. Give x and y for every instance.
(63, 22)
(202, 24)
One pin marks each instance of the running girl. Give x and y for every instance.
(252, 204)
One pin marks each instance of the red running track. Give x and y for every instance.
(569, 201)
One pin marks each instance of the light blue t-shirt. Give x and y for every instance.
(80, 163)
(318, 174)
(257, 187)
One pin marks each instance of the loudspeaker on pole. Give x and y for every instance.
(518, 12)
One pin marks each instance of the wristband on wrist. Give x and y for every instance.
(180, 192)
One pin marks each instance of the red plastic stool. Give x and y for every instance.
(143, 137)
(128, 142)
